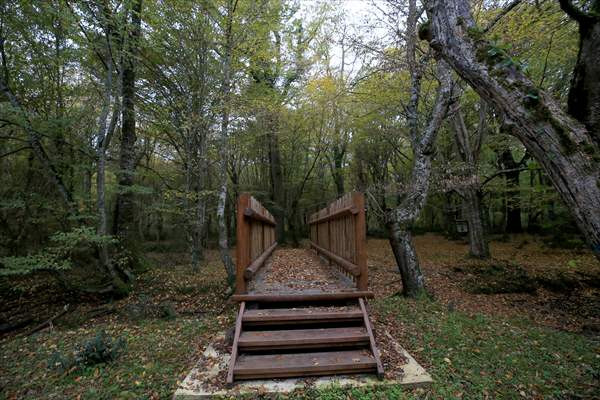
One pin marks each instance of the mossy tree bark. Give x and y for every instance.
(563, 146)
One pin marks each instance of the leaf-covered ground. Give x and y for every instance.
(538, 344)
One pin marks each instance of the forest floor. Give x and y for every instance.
(539, 340)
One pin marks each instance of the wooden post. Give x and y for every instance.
(242, 249)
(360, 237)
(329, 239)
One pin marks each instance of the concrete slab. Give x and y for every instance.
(206, 380)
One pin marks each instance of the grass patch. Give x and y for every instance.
(158, 355)
(481, 357)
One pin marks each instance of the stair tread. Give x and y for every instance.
(303, 337)
(297, 364)
(301, 314)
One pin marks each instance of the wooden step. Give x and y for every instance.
(309, 315)
(304, 364)
(303, 338)
(304, 296)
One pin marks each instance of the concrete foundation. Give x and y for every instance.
(206, 380)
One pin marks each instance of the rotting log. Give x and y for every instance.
(348, 266)
(256, 264)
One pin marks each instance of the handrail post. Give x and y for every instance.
(242, 249)
(360, 237)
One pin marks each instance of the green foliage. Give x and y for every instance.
(28, 264)
(58, 256)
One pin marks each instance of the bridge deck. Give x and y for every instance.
(297, 271)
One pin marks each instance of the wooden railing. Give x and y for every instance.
(255, 239)
(338, 232)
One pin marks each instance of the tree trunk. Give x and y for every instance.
(124, 208)
(562, 145)
(513, 192)
(200, 204)
(401, 219)
(413, 282)
(471, 194)
(584, 93)
(337, 168)
(277, 194)
(224, 150)
(105, 131)
(478, 245)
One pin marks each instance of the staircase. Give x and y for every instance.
(309, 336)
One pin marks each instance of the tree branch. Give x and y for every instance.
(575, 13)
(15, 151)
(501, 15)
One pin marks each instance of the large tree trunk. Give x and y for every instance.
(562, 145)
(584, 93)
(124, 207)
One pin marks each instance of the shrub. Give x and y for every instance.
(167, 310)
(101, 348)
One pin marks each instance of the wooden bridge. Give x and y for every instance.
(294, 327)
